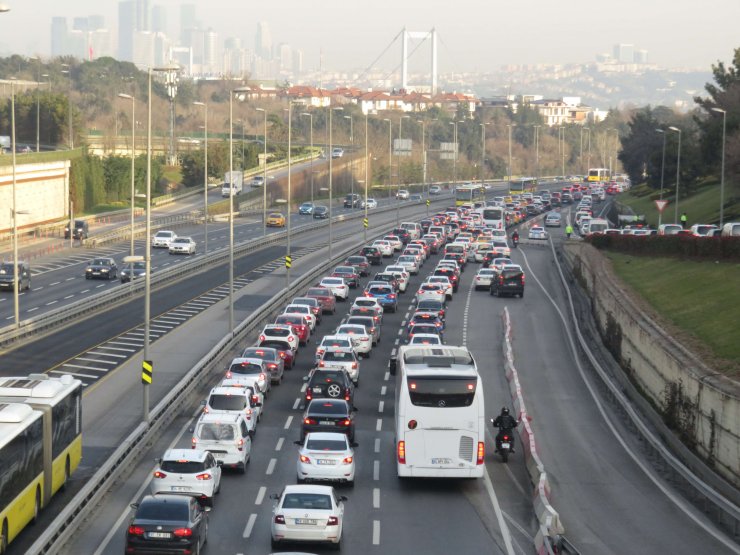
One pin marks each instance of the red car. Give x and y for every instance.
(350, 275)
(299, 325)
(283, 348)
(450, 274)
(325, 297)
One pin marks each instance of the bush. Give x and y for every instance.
(679, 246)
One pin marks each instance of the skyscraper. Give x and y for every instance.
(159, 19)
(187, 21)
(211, 53)
(80, 24)
(126, 28)
(263, 41)
(624, 53)
(58, 36)
(96, 22)
(143, 15)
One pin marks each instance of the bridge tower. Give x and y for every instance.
(422, 35)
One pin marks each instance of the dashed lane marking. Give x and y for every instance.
(288, 422)
(376, 470)
(271, 467)
(279, 444)
(260, 495)
(377, 445)
(249, 526)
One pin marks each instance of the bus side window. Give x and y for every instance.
(392, 364)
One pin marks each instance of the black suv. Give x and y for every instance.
(509, 282)
(79, 231)
(373, 255)
(402, 234)
(329, 415)
(332, 383)
(352, 201)
(6, 276)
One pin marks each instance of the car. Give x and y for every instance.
(435, 306)
(306, 209)
(451, 274)
(402, 194)
(388, 278)
(337, 152)
(326, 298)
(80, 230)
(333, 411)
(171, 523)
(300, 326)
(337, 286)
(311, 513)
(386, 296)
(227, 436)
(337, 340)
(669, 229)
(372, 327)
(409, 262)
(304, 311)
(444, 281)
(162, 239)
(537, 233)
(501, 247)
(368, 306)
(373, 254)
(281, 332)
(433, 291)
(401, 275)
(344, 358)
(320, 212)
(187, 472)
(132, 271)
(361, 263)
(182, 245)
(702, 230)
(258, 181)
(435, 190)
(312, 302)
(352, 201)
(255, 367)
(275, 219)
(326, 457)
(482, 279)
(425, 317)
(498, 263)
(416, 197)
(509, 281)
(370, 203)
(425, 339)
(7, 272)
(350, 275)
(386, 247)
(426, 329)
(101, 268)
(553, 219)
(403, 234)
(232, 399)
(361, 341)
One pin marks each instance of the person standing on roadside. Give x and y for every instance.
(568, 230)
(684, 220)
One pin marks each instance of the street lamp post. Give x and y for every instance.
(678, 172)
(133, 165)
(482, 150)
(331, 189)
(306, 114)
(398, 170)
(367, 168)
(662, 174)
(264, 174)
(722, 179)
(424, 160)
(352, 163)
(537, 150)
(390, 154)
(205, 171)
(509, 125)
(15, 212)
(68, 71)
(287, 243)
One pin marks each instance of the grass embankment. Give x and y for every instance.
(701, 298)
(701, 207)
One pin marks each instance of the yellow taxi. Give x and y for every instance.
(275, 219)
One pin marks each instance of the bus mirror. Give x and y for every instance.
(392, 364)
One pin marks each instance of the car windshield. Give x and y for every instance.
(278, 345)
(278, 332)
(351, 329)
(429, 305)
(423, 328)
(326, 444)
(339, 356)
(298, 309)
(380, 291)
(335, 342)
(356, 260)
(100, 262)
(361, 320)
(307, 501)
(182, 467)
(227, 402)
(318, 292)
(333, 281)
(216, 431)
(245, 368)
(163, 511)
(366, 302)
(181, 240)
(288, 319)
(324, 407)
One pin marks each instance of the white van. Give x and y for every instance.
(669, 229)
(227, 436)
(731, 230)
(597, 225)
(413, 228)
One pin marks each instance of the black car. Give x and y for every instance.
(373, 254)
(101, 268)
(132, 271)
(80, 230)
(167, 524)
(329, 415)
(426, 224)
(450, 274)
(360, 262)
(349, 273)
(402, 233)
(320, 212)
(332, 383)
(352, 201)
(509, 282)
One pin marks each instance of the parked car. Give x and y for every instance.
(172, 523)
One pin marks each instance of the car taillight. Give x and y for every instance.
(309, 395)
(321, 363)
(481, 452)
(205, 409)
(272, 366)
(522, 279)
(364, 338)
(160, 474)
(305, 459)
(333, 521)
(279, 519)
(309, 421)
(392, 296)
(255, 399)
(348, 460)
(240, 444)
(183, 532)
(135, 530)
(228, 375)
(249, 414)
(501, 280)
(262, 337)
(193, 442)
(204, 476)
(401, 452)
(263, 376)
(354, 366)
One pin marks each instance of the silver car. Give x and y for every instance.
(344, 358)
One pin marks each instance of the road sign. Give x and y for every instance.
(429, 202)
(365, 222)
(288, 262)
(147, 369)
(661, 204)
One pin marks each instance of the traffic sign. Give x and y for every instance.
(661, 204)
(147, 369)
(288, 262)
(429, 202)
(365, 222)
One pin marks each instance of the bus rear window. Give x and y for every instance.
(442, 392)
(492, 214)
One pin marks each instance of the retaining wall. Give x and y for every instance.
(700, 404)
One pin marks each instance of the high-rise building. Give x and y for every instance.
(58, 36)
(96, 22)
(263, 41)
(143, 49)
(187, 21)
(143, 15)
(126, 29)
(641, 56)
(80, 24)
(284, 54)
(211, 53)
(624, 53)
(77, 44)
(99, 44)
(159, 19)
(297, 62)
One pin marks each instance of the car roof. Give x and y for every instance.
(308, 488)
(253, 360)
(195, 455)
(327, 436)
(229, 390)
(220, 417)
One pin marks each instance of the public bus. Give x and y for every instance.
(493, 216)
(469, 194)
(439, 412)
(599, 175)
(522, 185)
(40, 445)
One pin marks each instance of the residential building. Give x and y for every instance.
(624, 53)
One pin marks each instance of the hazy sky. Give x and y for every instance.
(474, 35)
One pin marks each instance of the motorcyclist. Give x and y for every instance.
(505, 424)
(515, 237)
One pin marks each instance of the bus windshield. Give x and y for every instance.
(441, 392)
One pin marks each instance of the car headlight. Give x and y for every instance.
(88, 269)
(104, 270)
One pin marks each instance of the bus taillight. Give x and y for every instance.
(481, 452)
(401, 452)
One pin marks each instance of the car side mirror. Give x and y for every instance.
(134, 506)
(354, 444)
(298, 442)
(343, 498)
(274, 496)
(219, 463)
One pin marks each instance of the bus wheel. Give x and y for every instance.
(36, 507)
(66, 473)
(4, 538)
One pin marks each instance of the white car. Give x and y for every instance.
(337, 152)
(344, 358)
(444, 281)
(326, 457)
(188, 472)
(230, 399)
(309, 513)
(182, 245)
(433, 291)
(386, 248)
(227, 436)
(501, 247)
(481, 250)
(483, 278)
(338, 341)
(252, 370)
(337, 286)
(409, 262)
(362, 341)
(303, 310)
(162, 239)
(537, 232)
(425, 339)
(403, 194)
(401, 274)
(394, 240)
(369, 304)
(283, 332)
(417, 248)
(371, 203)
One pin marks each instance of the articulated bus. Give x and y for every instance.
(522, 185)
(598, 175)
(440, 416)
(40, 445)
(469, 194)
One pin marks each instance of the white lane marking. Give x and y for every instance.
(400, 332)
(69, 279)
(377, 445)
(376, 532)
(379, 424)
(499, 515)
(271, 467)
(68, 297)
(376, 498)
(126, 343)
(249, 526)
(387, 376)
(32, 309)
(381, 405)
(85, 291)
(111, 362)
(297, 402)
(260, 495)
(279, 444)
(99, 286)
(107, 354)
(55, 283)
(376, 470)
(397, 342)
(403, 323)
(288, 422)
(124, 515)
(74, 374)
(383, 390)
(303, 387)
(51, 303)
(116, 349)
(70, 365)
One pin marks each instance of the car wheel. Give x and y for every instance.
(274, 543)
(242, 468)
(367, 355)
(337, 546)
(521, 295)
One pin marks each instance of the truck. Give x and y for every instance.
(233, 183)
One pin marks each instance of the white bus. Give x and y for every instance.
(493, 216)
(440, 416)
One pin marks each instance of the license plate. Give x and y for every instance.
(441, 461)
(219, 455)
(159, 535)
(311, 521)
(180, 488)
(317, 389)
(325, 461)
(326, 422)
(505, 446)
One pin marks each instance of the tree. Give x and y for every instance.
(639, 148)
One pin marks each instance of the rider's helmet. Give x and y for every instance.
(504, 411)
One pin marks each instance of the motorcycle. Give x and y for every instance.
(504, 442)
(515, 241)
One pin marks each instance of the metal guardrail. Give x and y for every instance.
(66, 524)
